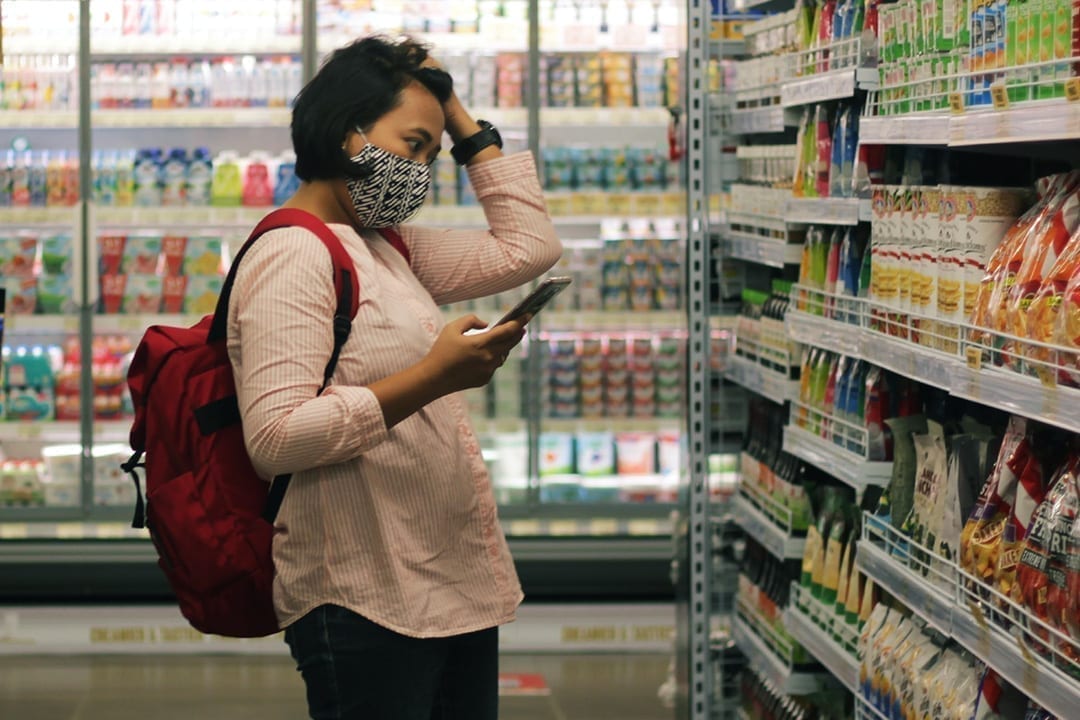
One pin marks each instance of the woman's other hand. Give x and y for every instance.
(461, 361)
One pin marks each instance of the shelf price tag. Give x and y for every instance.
(1072, 89)
(70, 531)
(110, 531)
(983, 649)
(619, 204)
(563, 528)
(1000, 96)
(643, 527)
(973, 356)
(956, 103)
(14, 531)
(603, 527)
(1029, 682)
(524, 528)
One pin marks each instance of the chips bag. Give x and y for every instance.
(980, 540)
(1032, 574)
(1067, 334)
(1046, 189)
(1040, 258)
(1059, 608)
(1039, 322)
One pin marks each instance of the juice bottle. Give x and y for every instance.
(37, 181)
(199, 176)
(287, 182)
(147, 178)
(257, 191)
(125, 179)
(226, 188)
(174, 178)
(55, 192)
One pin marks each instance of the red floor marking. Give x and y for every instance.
(522, 684)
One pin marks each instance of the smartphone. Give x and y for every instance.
(544, 293)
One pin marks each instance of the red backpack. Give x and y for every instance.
(210, 516)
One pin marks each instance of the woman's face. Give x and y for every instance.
(412, 130)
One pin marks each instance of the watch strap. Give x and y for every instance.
(467, 148)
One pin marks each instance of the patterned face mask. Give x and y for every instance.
(394, 190)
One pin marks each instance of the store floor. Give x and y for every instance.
(156, 687)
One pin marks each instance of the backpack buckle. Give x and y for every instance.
(139, 519)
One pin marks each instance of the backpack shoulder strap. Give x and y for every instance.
(346, 282)
(394, 238)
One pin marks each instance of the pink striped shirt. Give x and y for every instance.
(397, 525)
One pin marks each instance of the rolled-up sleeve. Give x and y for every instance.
(520, 244)
(280, 339)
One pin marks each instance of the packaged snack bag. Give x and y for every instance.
(930, 477)
(1039, 322)
(1032, 574)
(1067, 334)
(905, 465)
(1029, 494)
(980, 538)
(1046, 189)
(1040, 258)
(1027, 242)
(1060, 563)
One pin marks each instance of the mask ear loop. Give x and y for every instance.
(364, 168)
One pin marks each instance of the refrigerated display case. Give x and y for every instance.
(182, 142)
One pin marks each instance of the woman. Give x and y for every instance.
(393, 574)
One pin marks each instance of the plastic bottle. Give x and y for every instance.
(226, 189)
(7, 168)
(200, 171)
(287, 183)
(257, 190)
(37, 181)
(147, 176)
(174, 178)
(125, 178)
(104, 183)
(55, 192)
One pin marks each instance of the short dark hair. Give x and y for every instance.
(357, 85)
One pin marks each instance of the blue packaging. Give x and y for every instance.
(200, 175)
(37, 180)
(287, 183)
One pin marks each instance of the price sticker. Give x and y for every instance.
(1050, 401)
(643, 527)
(70, 531)
(14, 531)
(110, 531)
(559, 205)
(583, 204)
(563, 528)
(648, 204)
(1072, 89)
(604, 527)
(956, 103)
(1000, 96)
(619, 203)
(675, 203)
(974, 358)
(524, 528)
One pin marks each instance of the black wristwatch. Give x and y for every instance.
(466, 149)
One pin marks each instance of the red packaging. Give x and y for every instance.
(112, 292)
(173, 292)
(111, 253)
(173, 248)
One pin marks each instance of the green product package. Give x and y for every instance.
(902, 484)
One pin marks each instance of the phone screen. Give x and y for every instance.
(537, 299)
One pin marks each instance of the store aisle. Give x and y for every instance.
(583, 687)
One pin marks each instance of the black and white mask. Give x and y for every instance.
(393, 191)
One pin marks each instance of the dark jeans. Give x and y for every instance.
(357, 670)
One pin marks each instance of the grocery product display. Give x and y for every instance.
(188, 147)
(916, 452)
